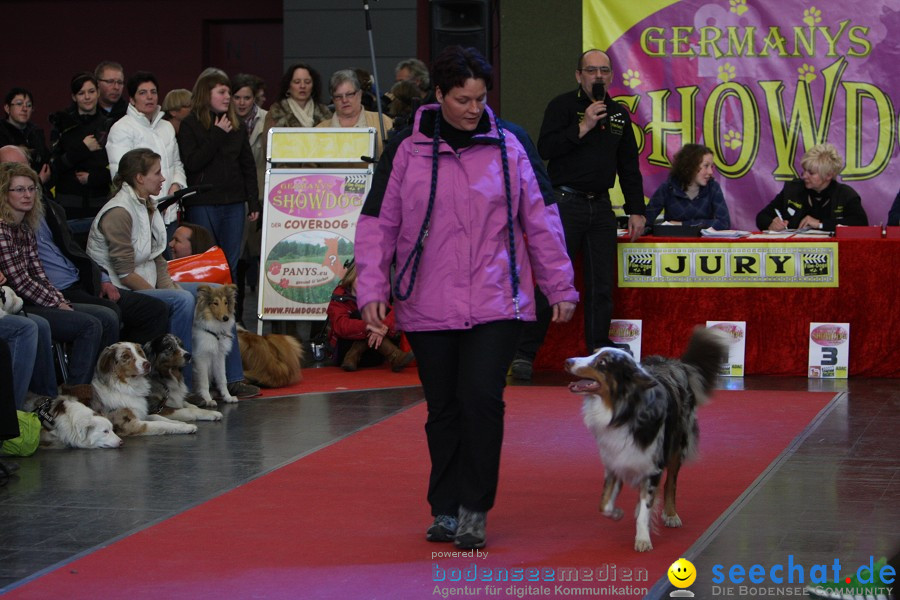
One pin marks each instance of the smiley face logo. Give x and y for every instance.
(682, 573)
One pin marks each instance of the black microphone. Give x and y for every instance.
(598, 91)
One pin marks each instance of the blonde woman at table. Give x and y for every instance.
(690, 196)
(816, 200)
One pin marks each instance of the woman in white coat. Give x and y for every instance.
(144, 126)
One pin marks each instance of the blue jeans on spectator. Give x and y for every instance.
(226, 222)
(21, 336)
(181, 323)
(43, 377)
(80, 329)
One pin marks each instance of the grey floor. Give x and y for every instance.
(832, 494)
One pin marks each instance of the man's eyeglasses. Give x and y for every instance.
(21, 189)
(18, 103)
(113, 81)
(594, 70)
(347, 96)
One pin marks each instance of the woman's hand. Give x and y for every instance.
(253, 216)
(2, 278)
(223, 123)
(173, 188)
(82, 177)
(563, 311)
(65, 306)
(811, 222)
(374, 313)
(778, 225)
(91, 142)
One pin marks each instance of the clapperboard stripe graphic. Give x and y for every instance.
(815, 259)
(355, 183)
(640, 265)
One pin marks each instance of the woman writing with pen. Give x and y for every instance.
(816, 200)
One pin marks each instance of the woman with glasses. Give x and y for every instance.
(348, 109)
(79, 155)
(18, 130)
(301, 101)
(21, 212)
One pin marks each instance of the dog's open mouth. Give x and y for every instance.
(584, 385)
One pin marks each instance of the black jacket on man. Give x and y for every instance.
(591, 163)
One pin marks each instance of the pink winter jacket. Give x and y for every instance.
(463, 278)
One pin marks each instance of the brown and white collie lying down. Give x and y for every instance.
(644, 417)
(121, 388)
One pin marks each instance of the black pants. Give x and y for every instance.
(142, 317)
(590, 228)
(463, 373)
(9, 422)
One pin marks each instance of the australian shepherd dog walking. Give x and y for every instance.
(213, 335)
(644, 417)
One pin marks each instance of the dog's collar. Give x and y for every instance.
(43, 413)
(216, 334)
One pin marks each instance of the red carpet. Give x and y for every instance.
(335, 379)
(348, 521)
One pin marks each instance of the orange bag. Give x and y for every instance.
(208, 267)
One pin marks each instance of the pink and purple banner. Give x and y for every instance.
(759, 83)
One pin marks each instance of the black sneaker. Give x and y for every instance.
(470, 534)
(442, 530)
(521, 369)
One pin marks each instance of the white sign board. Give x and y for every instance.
(309, 219)
(737, 335)
(829, 350)
(626, 334)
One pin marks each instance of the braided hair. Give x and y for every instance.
(415, 256)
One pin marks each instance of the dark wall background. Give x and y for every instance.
(540, 44)
(48, 41)
(534, 43)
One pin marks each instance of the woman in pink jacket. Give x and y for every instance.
(453, 199)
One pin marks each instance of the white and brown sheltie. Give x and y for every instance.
(271, 360)
(168, 392)
(121, 388)
(643, 416)
(213, 334)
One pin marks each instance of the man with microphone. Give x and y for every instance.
(588, 140)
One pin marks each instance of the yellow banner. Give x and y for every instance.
(327, 144)
(799, 264)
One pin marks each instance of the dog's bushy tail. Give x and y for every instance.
(707, 350)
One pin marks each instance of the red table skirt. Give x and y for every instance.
(777, 319)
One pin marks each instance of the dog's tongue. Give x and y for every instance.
(583, 385)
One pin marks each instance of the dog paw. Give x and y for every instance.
(614, 514)
(206, 402)
(210, 415)
(642, 545)
(189, 428)
(672, 521)
(229, 399)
